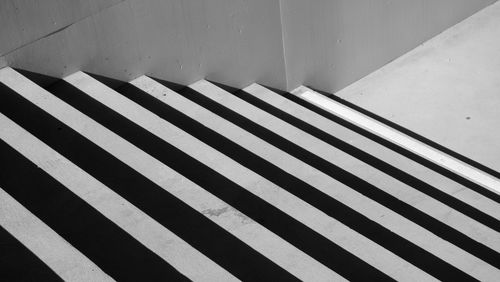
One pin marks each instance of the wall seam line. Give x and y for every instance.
(285, 63)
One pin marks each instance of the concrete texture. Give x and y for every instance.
(249, 231)
(64, 259)
(401, 139)
(3, 62)
(23, 22)
(331, 44)
(446, 90)
(383, 153)
(346, 238)
(374, 211)
(278, 43)
(146, 230)
(312, 209)
(409, 195)
(231, 220)
(234, 42)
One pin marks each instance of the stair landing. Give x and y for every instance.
(447, 90)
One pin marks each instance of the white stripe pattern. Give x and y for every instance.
(150, 233)
(378, 213)
(392, 135)
(67, 261)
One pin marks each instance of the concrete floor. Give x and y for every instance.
(447, 90)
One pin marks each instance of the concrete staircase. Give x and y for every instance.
(103, 180)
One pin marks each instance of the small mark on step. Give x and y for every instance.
(215, 212)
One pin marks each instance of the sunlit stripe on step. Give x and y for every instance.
(478, 225)
(66, 261)
(357, 142)
(253, 119)
(243, 261)
(214, 160)
(164, 243)
(348, 239)
(465, 186)
(248, 231)
(423, 150)
(117, 253)
(15, 258)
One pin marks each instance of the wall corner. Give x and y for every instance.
(3, 62)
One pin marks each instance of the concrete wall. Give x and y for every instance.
(326, 44)
(330, 44)
(3, 62)
(25, 21)
(230, 41)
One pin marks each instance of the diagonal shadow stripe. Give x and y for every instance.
(262, 212)
(19, 263)
(112, 249)
(389, 201)
(376, 163)
(346, 215)
(400, 150)
(213, 241)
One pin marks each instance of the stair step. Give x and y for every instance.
(209, 185)
(228, 138)
(50, 255)
(396, 215)
(457, 214)
(135, 222)
(440, 158)
(164, 135)
(337, 133)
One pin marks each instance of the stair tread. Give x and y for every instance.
(227, 186)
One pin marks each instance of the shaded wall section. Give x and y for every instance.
(24, 21)
(330, 44)
(325, 44)
(235, 42)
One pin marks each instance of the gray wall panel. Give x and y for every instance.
(332, 43)
(25, 21)
(326, 44)
(233, 42)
